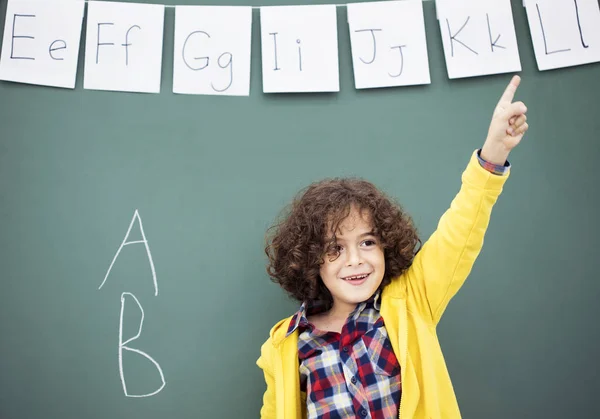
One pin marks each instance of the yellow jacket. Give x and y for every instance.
(411, 305)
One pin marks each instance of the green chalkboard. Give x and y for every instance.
(205, 176)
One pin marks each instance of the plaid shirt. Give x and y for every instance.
(494, 168)
(354, 373)
(349, 374)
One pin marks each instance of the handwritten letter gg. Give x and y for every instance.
(212, 50)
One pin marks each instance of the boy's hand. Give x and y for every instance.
(507, 127)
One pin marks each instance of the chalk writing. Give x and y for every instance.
(125, 242)
(123, 346)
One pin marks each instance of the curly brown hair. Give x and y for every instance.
(296, 245)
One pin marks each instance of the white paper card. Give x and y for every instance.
(479, 37)
(299, 49)
(564, 32)
(212, 50)
(389, 46)
(41, 42)
(123, 50)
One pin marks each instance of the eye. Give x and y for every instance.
(370, 243)
(334, 249)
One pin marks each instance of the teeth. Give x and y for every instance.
(352, 278)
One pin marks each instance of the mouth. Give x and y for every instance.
(356, 279)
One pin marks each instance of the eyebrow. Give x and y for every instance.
(368, 233)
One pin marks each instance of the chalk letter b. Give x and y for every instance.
(122, 346)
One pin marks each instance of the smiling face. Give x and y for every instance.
(353, 271)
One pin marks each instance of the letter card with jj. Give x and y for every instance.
(478, 36)
(41, 42)
(389, 46)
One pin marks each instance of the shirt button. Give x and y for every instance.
(345, 349)
(363, 412)
(353, 380)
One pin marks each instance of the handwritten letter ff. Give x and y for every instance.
(124, 344)
(123, 49)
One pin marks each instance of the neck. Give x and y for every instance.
(341, 311)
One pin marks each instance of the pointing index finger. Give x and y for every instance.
(509, 93)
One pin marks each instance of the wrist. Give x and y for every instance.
(494, 153)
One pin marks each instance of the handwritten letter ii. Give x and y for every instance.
(212, 50)
(479, 37)
(564, 33)
(123, 50)
(299, 49)
(389, 46)
(41, 42)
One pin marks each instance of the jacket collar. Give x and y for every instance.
(300, 318)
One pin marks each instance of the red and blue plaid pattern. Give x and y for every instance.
(496, 169)
(354, 373)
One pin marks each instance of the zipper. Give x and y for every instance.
(274, 360)
(403, 371)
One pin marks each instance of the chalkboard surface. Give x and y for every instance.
(200, 178)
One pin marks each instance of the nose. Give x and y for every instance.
(353, 257)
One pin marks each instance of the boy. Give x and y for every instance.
(364, 343)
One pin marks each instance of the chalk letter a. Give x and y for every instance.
(136, 216)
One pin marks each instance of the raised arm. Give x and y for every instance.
(447, 257)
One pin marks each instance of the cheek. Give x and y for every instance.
(328, 270)
(380, 259)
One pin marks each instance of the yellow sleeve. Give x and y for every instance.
(444, 262)
(267, 410)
